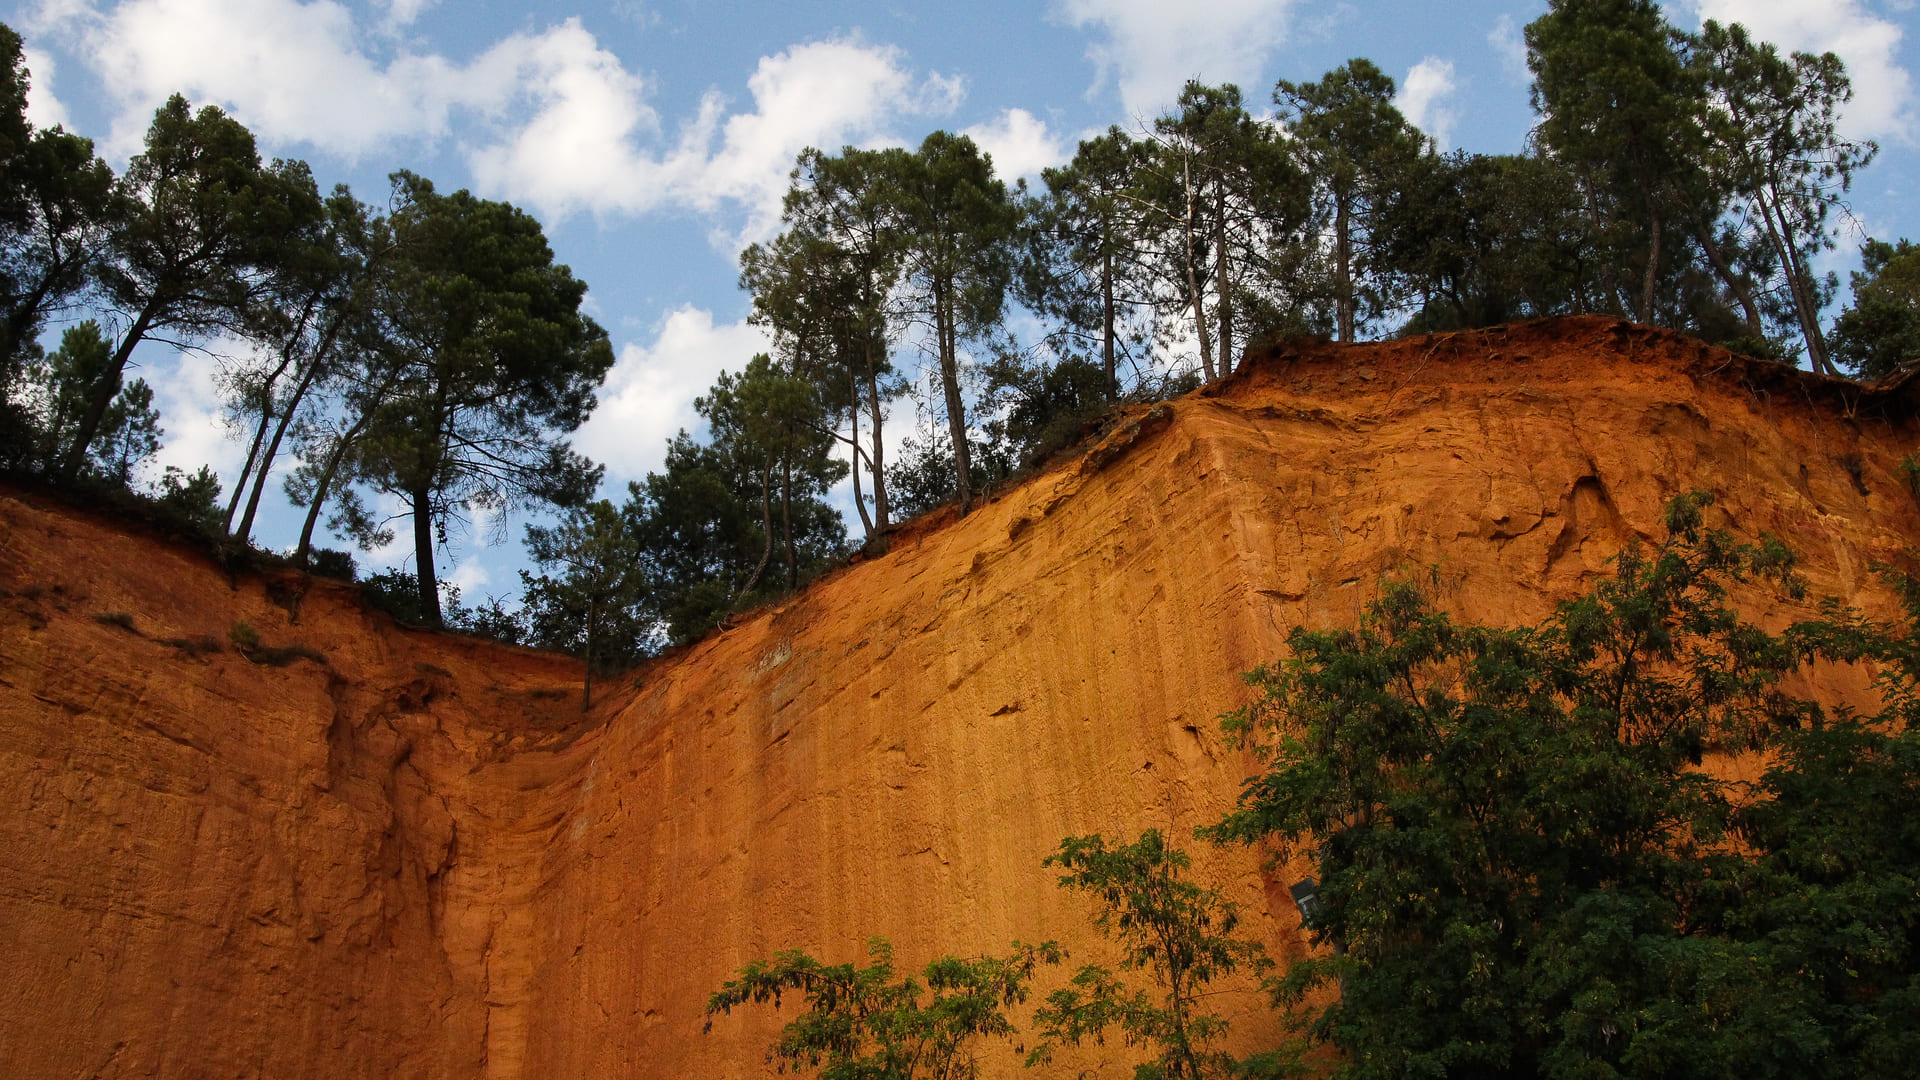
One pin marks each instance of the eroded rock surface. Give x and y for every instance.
(415, 857)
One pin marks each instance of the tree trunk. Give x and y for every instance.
(1223, 282)
(104, 392)
(880, 519)
(1106, 323)
(853, 395)
(586, 687)
(766, 526)
(246, 470)
(1603, 268)
(1652, 276)
(945, 333)
(1799, 285)
(429, 586)
(1190, 226)
(786, 522)
(1735, 285)
(320, 487)
(1342, 267)
(307, 379)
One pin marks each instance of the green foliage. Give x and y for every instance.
(1046, 407)
(195, 219)
(1358, 148)
(1088, 260)
(1772, 122)
(1880, 331)
(862, 1024)
(192, 497)
(1179, 932)
(1485, 239)
(1526, 873)
(589, 604)
(244, 637)
(824, 287)
(1225, 206)
(957, 225)
(1618, 105)
(53, 397)
(708, 524)
(921, 476)
(334, 564)
(396, 592)
(55, 197)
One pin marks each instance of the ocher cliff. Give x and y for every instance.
(419, 859)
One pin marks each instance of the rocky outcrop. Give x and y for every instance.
(402, 854)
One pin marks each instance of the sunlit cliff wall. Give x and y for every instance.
(420, 859)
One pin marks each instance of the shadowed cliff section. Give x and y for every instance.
(415, 857)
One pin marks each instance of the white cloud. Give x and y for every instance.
(404, 12)
(1510, 47)
(1883, 96)
(1149, 48)
(469, 577)
(1020, 144)
(186, 391)
(576, 151)
(43, 109)
(291, 71)
(648, 396)
(549, 118)
(1425, 99)
(579, 150)
(825, 94)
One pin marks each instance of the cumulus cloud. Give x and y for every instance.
(1148, 49)
(825, 94)
(44, 110)
(1020, 144)
(292, 71)
(580, 151)
(1425, 98)
(549, 118)
(1883, 96)
(648, 396)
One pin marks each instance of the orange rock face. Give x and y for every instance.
(413, 856)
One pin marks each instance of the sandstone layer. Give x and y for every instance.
(411, 855)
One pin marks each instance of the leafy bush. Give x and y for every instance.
(1525, 872)
(861, 1022)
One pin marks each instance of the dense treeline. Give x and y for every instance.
(422, 362)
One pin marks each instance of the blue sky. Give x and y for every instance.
(653, 137)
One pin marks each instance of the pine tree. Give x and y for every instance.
(489, 363)
(957, 226)
(196, 219)
(588, 603)
(1879, 333)
(1773, 125)
(1358, 148)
